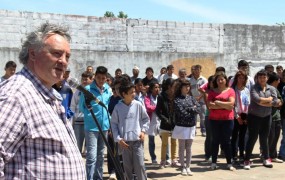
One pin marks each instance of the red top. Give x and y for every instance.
(221, 114)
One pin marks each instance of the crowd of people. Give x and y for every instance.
(46, 123)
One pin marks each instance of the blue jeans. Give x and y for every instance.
(151, 147)
(95, 155)
(78, 128)
(282, 146)
(202, 115)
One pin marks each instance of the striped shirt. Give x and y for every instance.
(36, 140)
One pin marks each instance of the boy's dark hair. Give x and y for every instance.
(126, 77)
(10, 64)
(268, 66)
(87, 74)
(148, 69)
(166, 83)
(138, 80)
(170, 67)
(215, 84)
(152, 85)
(279, 67)
(242, 63)
(198, 66)
(101, 70)
(272, 76)
(117, 81)
(220, 68)
(118, 70)
(262, 72)
(125, 87)
(109, 76)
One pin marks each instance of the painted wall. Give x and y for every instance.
(124, 43)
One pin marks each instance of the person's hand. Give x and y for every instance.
(270, 98)
(123, 144)
(109, 133)
(240, 121)
(201, 90)
(217, 102)
(279, 103)
(142, 136)
(211, 104)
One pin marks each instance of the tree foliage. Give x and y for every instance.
(109, 14)
(122, 15)
(281, 24)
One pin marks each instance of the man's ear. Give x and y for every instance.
(32, 54)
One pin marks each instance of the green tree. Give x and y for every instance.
(109, 14)
(122, 15)
(281, 24)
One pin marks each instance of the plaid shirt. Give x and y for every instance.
(36, 140)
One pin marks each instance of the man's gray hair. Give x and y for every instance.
(36, 39)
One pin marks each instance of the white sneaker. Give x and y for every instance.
(189, 172)
(213, 166)
(208, 160)
(231, 168)
(267, 163)
(184, 172)
(175, 163)
(162, 164)
(277, 160)
(168, 162)
(246, 165)
(112, 176)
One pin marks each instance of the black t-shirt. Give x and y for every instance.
(147, 81)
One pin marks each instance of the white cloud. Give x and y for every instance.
(214, 15)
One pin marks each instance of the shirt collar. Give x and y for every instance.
(259, 87)
(43, 90)
(94, 86)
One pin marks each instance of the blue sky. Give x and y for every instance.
(262, 12)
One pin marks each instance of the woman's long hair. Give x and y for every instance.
(178, 87)
(217, 75)
(239, 73)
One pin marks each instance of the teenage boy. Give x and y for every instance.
(10, 69)
(94, 140)
(129, 123)
(78, 121)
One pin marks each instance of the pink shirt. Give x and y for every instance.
(221, 114)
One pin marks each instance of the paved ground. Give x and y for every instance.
(201, 169)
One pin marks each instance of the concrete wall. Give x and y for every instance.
(124, 43)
